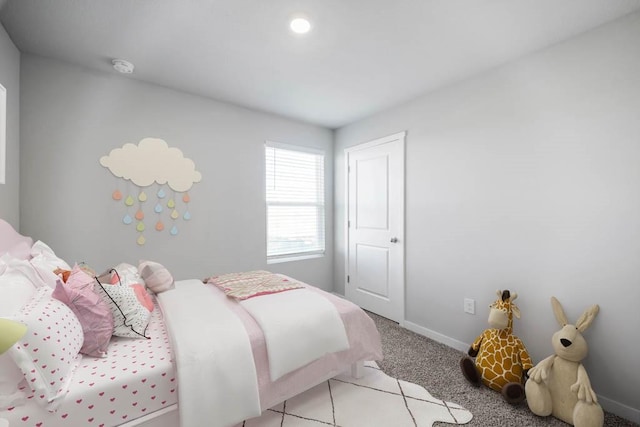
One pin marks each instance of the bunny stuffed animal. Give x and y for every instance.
(559, 385)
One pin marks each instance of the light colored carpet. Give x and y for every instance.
(415, 358)
(376, 399)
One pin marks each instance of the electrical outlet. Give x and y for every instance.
(469, 306)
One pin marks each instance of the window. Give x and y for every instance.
(295, 201)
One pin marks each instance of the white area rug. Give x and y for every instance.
(375, 400)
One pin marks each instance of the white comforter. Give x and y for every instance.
(217, 381)
(217, 384)
(317, 330)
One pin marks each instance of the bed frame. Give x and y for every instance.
(170, 416)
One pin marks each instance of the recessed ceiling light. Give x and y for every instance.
(123, 66)
(300, 25)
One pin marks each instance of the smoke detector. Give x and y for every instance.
(122, 66)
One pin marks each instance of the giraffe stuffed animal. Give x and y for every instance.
(559, 385)
(501, 359)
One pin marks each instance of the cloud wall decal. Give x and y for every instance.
(152, 160)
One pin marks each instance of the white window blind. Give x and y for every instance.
(295, 201)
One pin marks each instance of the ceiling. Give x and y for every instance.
(361, 57)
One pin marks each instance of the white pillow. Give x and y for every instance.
(16, 288)
(45, 262)
(128, 275)
(48, 354)
(40, 248)
(10, 379)
(3, 263)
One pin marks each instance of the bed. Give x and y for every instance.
(144, 380)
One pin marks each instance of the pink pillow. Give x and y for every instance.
(156, 276)
(92, 312)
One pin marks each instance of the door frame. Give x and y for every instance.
(401, 232)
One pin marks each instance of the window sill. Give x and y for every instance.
(293, 258)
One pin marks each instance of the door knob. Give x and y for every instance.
(394, 240)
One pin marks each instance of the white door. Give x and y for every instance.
(375, 226)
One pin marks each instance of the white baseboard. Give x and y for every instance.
(609, 405)
(421, 330)
(436, 336)
(617, 408)
(620, 409)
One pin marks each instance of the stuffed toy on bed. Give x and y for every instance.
(559, 385)
(501, 359)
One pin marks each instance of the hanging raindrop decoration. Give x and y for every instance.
(186, 199)
(152, 162)
(158, 209)
(118, 196)
(171, 204)
(140, 227)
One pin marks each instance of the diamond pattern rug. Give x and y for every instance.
(375, 400)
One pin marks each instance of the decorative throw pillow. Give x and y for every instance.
(156, 276)
(93, 313)
(130, 306)
(48, 354)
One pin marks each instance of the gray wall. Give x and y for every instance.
(10, 79)
(527, 178)
(73, 116)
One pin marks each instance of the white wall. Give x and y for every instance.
(73, 116)
(10, 79)
(527, 178)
